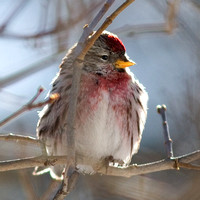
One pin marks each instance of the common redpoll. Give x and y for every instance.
(111, 107)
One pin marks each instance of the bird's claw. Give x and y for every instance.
(114, 162)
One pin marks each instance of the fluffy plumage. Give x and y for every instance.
(111, 109)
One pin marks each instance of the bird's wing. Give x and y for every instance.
(51, 128)
(138, 101)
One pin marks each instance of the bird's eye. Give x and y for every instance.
(104, 57)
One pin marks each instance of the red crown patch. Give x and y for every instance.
(115, 44)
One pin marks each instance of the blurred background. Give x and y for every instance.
(162, 37)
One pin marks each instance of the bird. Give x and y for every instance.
(111, 107)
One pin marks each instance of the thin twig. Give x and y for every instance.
(100, 14)
(172, 14)
(134, 29)
(30, 105)
(189, 166)
(67, 25)
(190, 157)
(67, 185)
(29, 70)
(32, 162)
(12, 14)
(20, 138)
(160, 165)
(168, 141)
(63, 189)
(107, 22)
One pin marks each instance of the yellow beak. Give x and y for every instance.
(122, 64)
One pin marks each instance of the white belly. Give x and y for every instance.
(99, 135)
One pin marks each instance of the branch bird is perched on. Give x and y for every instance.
(111, 107)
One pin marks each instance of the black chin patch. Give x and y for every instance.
(120, 69)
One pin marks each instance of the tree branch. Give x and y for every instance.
(82, 47)
(25, 140)
(66, 25)
(20, 138)
(128, 171)
(80, 51)
(161, 165)
(12, 14)
(171, 14)
(106, 23)
(30, 105)
(168, 141)
(70, 174)
(29, 70)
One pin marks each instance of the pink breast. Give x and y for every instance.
(93, 90)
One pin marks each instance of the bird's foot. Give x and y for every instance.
(114, 162)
